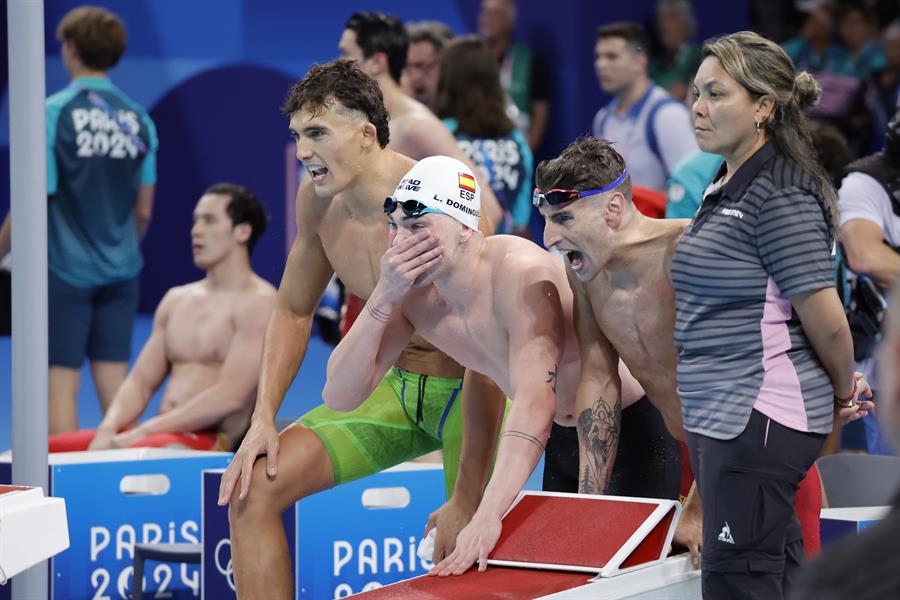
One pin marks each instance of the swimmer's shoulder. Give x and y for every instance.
(398, 165)
(515, 258)
(675, 229)
(263, 288)
(175, 296)
(256, 303)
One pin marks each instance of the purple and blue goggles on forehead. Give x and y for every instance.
(559, 197)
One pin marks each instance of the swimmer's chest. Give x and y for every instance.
(354, 248)
(200, 329)
(639, 323)
(475, 340)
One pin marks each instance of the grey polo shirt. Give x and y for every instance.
(761, 238)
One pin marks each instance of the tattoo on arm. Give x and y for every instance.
(524, 436)
(378, 315)
(551, 377)
(598, 436)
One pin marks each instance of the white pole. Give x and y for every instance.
(28, 195)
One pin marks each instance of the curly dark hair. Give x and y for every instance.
(98, 35)
(588, 163)
(340, 81)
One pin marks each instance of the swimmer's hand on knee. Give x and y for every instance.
(261, 438)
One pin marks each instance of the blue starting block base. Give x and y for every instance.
(354, 537)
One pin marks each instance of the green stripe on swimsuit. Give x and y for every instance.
(406, 416)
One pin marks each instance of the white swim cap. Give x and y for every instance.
(444, 184)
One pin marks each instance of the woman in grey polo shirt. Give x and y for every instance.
(765, 350)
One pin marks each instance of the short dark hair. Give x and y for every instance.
(378, 32)
(98, 35)
(588, 163)
(344, 82)
(469, 89)
(633, 33)
(244, 207)
(436, 33)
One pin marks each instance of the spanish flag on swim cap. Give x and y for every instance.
(467, 182)
(445, 184)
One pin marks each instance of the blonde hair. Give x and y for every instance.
(763, 68)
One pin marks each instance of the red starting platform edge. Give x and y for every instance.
(552, 542)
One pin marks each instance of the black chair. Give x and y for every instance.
(177, 553)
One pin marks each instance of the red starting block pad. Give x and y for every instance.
(550, 543)
(32, 528)
(606, 535)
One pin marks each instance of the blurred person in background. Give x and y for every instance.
(101, 176)
(858, 33)
(206, 342)
(870, 240)
(649, 128)
(379, 44)
(420, 75)
(814, 48)
(673, 64)
(883, 89)
(523, 73)
(867, 566)
(471, 103)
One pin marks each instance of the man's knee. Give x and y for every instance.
(304, 468)
(262, 499)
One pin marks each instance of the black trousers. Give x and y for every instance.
(752, 544)
(648, 461)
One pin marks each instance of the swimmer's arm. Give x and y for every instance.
(430, 138)
(483, 405)
(360, 360)
(598, 402)
(306, 275)
(145, 377)
(536, 339)
(237, 380)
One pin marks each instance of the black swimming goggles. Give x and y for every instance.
(411, 208)
(559, 197)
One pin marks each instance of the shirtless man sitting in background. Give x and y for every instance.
(207, 336)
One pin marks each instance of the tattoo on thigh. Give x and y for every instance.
(551, 377)
(598, 435)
